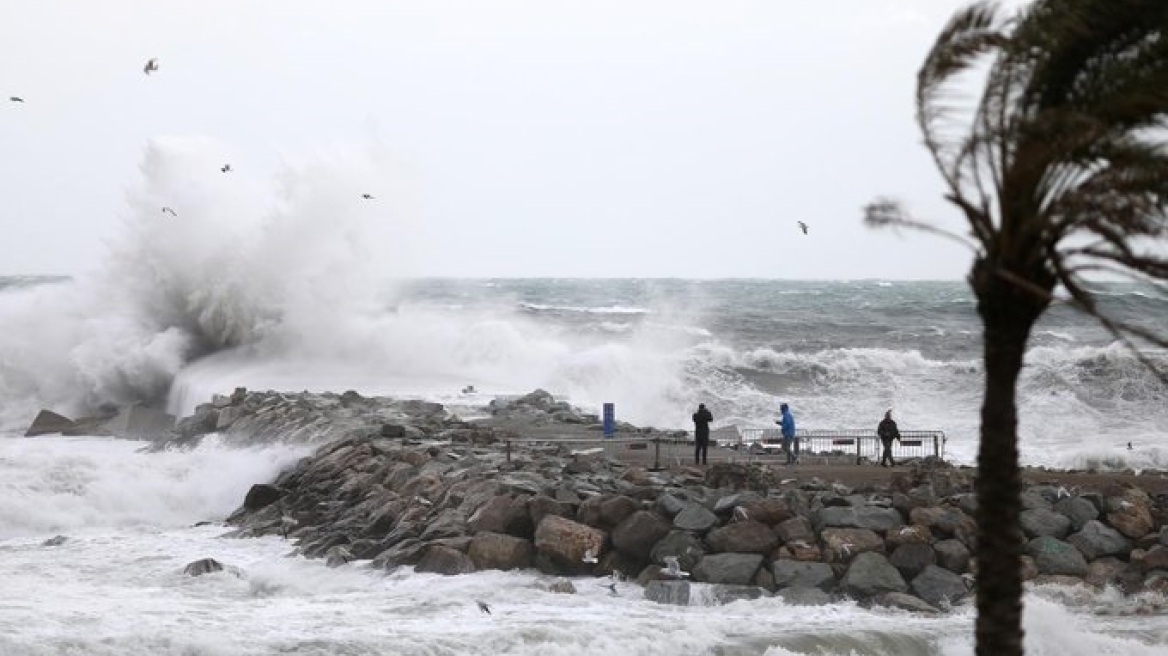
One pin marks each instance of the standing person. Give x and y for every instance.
(887, 431)
(701, 420)
(787, 422)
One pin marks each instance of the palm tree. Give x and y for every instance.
(1059, 167)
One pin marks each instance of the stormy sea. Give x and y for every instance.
(185, 309)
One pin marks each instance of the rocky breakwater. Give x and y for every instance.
(746, 530)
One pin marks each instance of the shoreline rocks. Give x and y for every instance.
(464, 505)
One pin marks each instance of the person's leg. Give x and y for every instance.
(697, 451)
(705, 450)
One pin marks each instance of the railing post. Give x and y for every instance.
(859, 441)
(657, 454)
(508, 450)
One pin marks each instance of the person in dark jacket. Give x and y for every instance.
(887, 431)
(701, 420)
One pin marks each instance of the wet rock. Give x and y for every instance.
(911, 559)
(796, 574)
(565, 541)
(902, 601)
(1042, 522)
(695, 518)
(743, 537)
(500, 551)
(1097, 540)
(444, 560)
(869, 575)
(731, 568)
(636, 535)
(675, 593)
(1054, 556)
(261, 495)
(798, 596)
(939, 587)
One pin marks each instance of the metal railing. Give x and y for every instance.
(815, 446)
(857, 443)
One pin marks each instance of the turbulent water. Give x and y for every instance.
(280, 295)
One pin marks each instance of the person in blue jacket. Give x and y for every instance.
(790, 444)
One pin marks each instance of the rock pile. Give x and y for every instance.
(462, 506)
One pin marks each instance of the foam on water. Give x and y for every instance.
(127, 518)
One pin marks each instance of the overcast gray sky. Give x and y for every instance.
(528, 138)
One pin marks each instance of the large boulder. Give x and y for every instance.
(1041, 521)
(48, 422)
(438, 559)
(203, 566)
(731, 568)
(953, 555)
(499, 551)
(1054, 556)
(503, 514)
(796, 529)
(261, 495)
(636, 535)
(1078, 510)
(668, 592)
(872, 518)
(1098, 539)
(796, 574)
(743, 537)
(769, 511)
(871, 574)
(799, 596)
(565, 542)
(945, 522)
(696, 518)
(1131, 517)
(939, 587)
(912, 558)
(683, 545)
(843, 544)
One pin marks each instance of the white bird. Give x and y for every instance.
(740, 514)
(483, 606)
(846, 549)
(589, 556)
(1062, 491)
(787, 481)
(151, 66)
(167, 210)
(672, 568)
(802, 226)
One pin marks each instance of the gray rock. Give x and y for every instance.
(843, 544)
(911, 559)
(902, 601)
(1054, 556)
(869, 575)
(500, 551)
(683, 545)
(1097, 540)
(723, 594)
(444, 560)
(203, 566)
(695, 518)
(1042, 521)
(1034, 500)
(731, 568)
(48, 422)
(743, 537)
(797, 574)
(939, 587)
(796, 529)
(261, 495)
(871, 518)
(675, 593)
(1078, 510)
(636, 535)
(670, 505)
(953, 555)
(804, 596)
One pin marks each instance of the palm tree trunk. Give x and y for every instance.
(1008, 315)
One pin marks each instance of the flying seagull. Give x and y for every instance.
(672, 568)
(167, 210)
(226, 168)
(802, 226)
(151, 66)
(15, 99)
(483, 606)
(611, 587)
(367, 196)
(589, 556)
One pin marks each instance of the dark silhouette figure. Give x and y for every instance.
(888, 432)
(701, 420)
